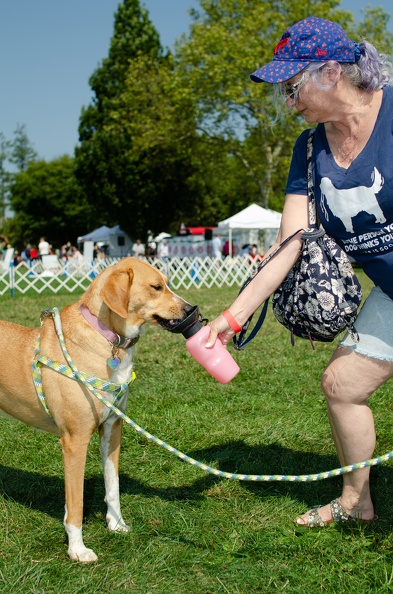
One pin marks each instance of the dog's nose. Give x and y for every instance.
(188, 308)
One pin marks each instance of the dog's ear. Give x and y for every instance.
(116, 291)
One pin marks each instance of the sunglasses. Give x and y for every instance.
(292, 91)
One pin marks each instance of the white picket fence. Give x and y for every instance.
(181, 272)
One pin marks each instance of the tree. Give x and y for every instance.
(18, 152)
(163, 147)
(22, 151)
(46, 201)
(373, 27)
(5, 175)
(127, 181)
(174, 162)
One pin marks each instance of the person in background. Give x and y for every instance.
(65, 251)
(43, 248)
(345, 88)
(138, 249)
(163, 250)
(245, 250)
(253, 251)
(26, 253)
(151, 249)
(76, 256)
(225, 249)
(217, 246)
(33, 253)
(17, 258)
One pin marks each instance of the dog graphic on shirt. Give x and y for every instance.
(346, 204)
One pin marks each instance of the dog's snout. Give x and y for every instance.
(188, 308)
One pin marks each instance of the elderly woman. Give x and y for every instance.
(343, 87)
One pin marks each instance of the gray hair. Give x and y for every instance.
(372, 72)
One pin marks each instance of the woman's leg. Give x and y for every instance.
(347, 383)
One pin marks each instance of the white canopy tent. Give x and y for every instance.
(118, 241)
(161, 236)
(254, 217)
(100, 234)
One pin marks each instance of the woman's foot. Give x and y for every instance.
(334, 512)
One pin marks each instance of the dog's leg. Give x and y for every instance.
(74, 458)
(110, 439)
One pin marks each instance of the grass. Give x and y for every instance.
(193, 533)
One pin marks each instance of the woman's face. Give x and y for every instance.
(314, 104)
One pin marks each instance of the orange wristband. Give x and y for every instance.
(231, 321)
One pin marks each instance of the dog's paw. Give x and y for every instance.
(123, 527)
(82, 554)
(116, 525)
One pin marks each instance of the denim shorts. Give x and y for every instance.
(374, 325)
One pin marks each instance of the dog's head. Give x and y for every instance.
(137, 293)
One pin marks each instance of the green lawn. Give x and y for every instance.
(193, 532)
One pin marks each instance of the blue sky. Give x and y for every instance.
(49, 49)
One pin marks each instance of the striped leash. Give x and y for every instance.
(91, 384)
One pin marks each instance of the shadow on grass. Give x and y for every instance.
(240, 458)
(33, 490)
(46, 493)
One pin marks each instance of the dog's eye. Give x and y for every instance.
(157, 287)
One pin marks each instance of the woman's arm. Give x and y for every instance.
(294, 217)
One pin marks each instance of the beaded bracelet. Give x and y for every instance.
(231, 321)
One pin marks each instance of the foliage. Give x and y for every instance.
(18, 152)
(5, 175)
(373, 28)
(46, 201)
(159, 118)
(22, 151)
(119, 172)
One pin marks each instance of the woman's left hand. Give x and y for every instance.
(219, 328)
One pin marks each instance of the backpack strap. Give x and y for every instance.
(239, 341)
(312, 209)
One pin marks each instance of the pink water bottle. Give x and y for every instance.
(216, 360)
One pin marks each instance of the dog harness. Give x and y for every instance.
(94, 384)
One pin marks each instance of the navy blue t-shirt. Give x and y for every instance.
(355, 205)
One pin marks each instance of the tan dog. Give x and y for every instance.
(121, 300)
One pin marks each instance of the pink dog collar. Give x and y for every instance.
(115, 339)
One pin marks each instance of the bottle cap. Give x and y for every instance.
(190, 325)
(192, 329)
